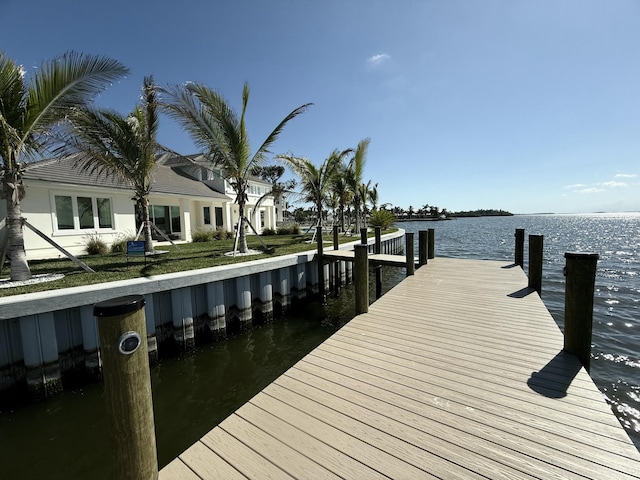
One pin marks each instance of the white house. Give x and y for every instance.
(69, 205)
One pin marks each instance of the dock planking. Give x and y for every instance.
(373, 258)
(457, 372)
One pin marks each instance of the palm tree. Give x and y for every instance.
(342, 192)
(316, 182)
(30, 111)
(354, 173)
(125, 147)
(216, 129)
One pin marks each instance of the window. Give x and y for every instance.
(104, 213)
(165, 218)
(64, 212)
(261, 218)
(82, 213)
(207, 215)
(219, 222)
(175, 219)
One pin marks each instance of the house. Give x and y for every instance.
(70, 206)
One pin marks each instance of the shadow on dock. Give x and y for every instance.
(554, 379)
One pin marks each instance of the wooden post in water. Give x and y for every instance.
(361, 278)
(432, 244)
(363, 236)
(321, 291)
(336, 265)
(423, 245)
(519, 252)
(580, 271)
(377, 248)
(535, 262)
(409, 253)
(127, 386)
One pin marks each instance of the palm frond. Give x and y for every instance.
(64, 83)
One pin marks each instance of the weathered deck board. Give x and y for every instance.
(458, 372)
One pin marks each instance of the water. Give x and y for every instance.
(65, 437)
(615, 363)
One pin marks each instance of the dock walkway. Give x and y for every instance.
(457, 372)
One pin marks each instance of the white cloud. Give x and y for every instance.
(378, 59)
(577, 185)
(612, 184)
(626, 175)
(591, 190)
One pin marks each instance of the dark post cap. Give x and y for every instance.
(118, 306)
(581, 255)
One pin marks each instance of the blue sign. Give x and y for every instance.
(135, 248)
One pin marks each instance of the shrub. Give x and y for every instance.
(95, 245)
(268, 232)
(201, 236)
(290, 230)
(120, 243)
(382, 218)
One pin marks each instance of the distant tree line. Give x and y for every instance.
(481, 213)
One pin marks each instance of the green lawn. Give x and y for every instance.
(187, 256)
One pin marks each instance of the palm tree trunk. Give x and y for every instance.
(242, 247)
(146, 229)
(19, 266)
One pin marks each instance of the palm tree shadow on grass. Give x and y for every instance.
(554, 379)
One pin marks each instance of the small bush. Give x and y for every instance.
(201, 236)
(268, 232)
(290, 230)
(95, 245)
(382, 218)
(120, 243)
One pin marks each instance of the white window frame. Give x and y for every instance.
(76, 218)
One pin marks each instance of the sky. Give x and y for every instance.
(526, 106)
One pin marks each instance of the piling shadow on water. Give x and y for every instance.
(554, 378)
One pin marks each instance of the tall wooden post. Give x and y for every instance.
(361, 278)
(409, 253)
(321, 291)
(432, 244)
(535, 262)
(423, 245)
(580, 271)
(377, 248)
(127, 385)
(363, 236)
(519, 251)
(336, 265)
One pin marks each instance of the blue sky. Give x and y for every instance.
(527, 106)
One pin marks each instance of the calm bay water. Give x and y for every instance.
(65, 437)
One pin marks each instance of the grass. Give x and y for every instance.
(188, 256)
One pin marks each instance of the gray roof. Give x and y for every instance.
(166, 180)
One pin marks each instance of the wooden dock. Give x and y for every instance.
(458, 372)
(374, 258)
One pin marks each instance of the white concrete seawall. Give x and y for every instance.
(45, 334)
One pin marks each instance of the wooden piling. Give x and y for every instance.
(432, 244)
(580, 271)
(535, 262)
(378, 249)
(321, 290)
(409, 253)
(519, 250)
(336, 265)
(127, 385)
(361, 278)
(363, 236)
(423, 246)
